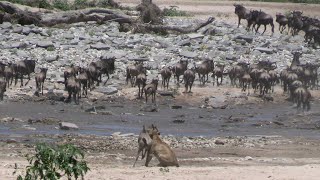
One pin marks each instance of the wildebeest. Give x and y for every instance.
(282, 20)
(8, 74)
(84, 81)
(73, 88)
(178, 69)
(218, 73)
(2, 66)
(151, 89)
(24, 67)
(241, 12)
(204, 69)
(69, 71)
(261, 18)
(188, 78)
(106, 65)
(133, 71)
(40, 78)
(2, 88)
(141, 82)
(302, 96)
(165, 75)
(237, 71)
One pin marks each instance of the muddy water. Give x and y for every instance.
(251, 119)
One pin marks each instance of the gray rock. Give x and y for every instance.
(248, 39)
(188, 54)
(51, 58)
(186, 42)
(149, 108)
(26, 30)
(45, 44)
(265, 50)
(68, 126)
(218, 102)
(195, 36)
(106, 90)
(68, 36)
(100, 46)
(18, 45)
(6, 25)
(17, 29)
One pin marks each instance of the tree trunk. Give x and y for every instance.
(98, 14)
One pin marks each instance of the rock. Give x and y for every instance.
(248, 158)
(188, 54)
(248, 39)
(45, 44)
(166, 93)
(26, 31)
(178, 121)
(116, 134)
(95, 109)
(105, 112)
(100, 46)
(195, 35)
(218, 102)
(106, 90)
(265, 50)
(27, 127)
(149, 108)
(6, 25)
(218, 142)
(126, 135)
(17, 29)
(68, 126)
(51, 58)
(18, 45)
(176, 107)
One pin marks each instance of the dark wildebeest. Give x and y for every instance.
(246, 80)
(2, 66)
(261, 18)
(188, 77)
(141, 82)
(165, 75)
(237, 71)
(2, 88)
(24, 67)
(84, 81)
(133, 71)
(282, 20)
(40, 78)
(302, 96)
(8, 74)
(70, 71)
(74, 88)
(104, 66)
(178, 69)
(218, 73)
(204, 69)
(151, 89)
(241, 12)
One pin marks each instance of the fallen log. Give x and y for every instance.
(99, 15)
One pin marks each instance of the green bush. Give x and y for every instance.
(173, 11)
(55, 162)
(61, 4)
(80, 4)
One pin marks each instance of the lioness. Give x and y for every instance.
(145, 141)
(161, 151)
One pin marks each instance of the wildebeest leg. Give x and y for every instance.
(239, 19)
(28, 79)
(107, 79)
(75, 97)
(137, 157)
(42, 87)
(190, 86)
(257, 28)
(154, 97)
(265, 27)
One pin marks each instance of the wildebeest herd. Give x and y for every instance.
(294, 21)
(262, 77)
